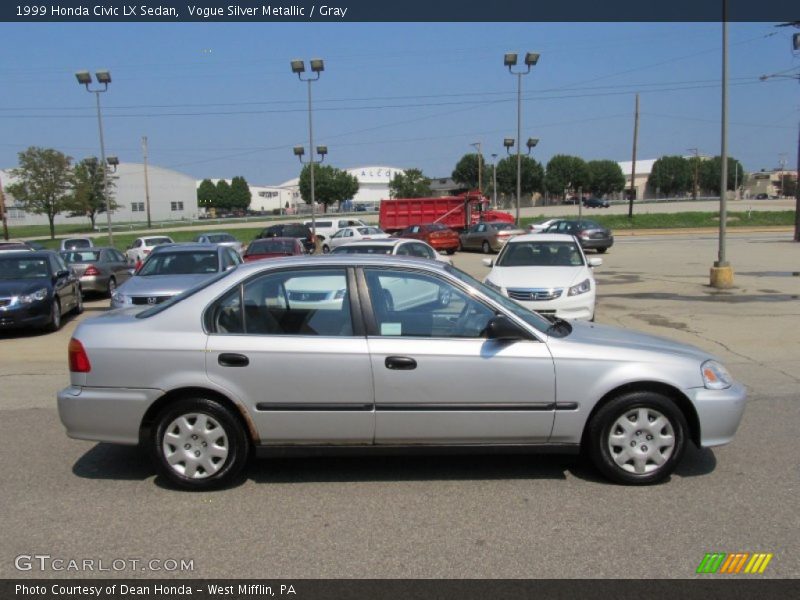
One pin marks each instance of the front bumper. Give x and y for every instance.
(29, 315)
(719, 413)
(105, 414)
(564, 307)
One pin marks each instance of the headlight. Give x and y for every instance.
(36, 296)
(118, 298)
(583, 287)
(715, 376)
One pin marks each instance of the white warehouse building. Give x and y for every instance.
(173, 197)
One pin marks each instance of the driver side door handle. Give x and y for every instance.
(400, 363)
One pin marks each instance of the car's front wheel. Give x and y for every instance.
(55, 316)
(325, 249)
(485, 247)
(637, 438)
(199, 444)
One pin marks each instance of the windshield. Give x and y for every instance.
(369, 230)
(180, 263)
(363, 249)
(24, 268)
(531, 318)
(157, 241)
(540, 254)
(82, 256)
(271, 246)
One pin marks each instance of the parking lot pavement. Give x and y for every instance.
(484, 516)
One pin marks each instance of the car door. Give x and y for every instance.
(438, 379)
(291, 346)
(65, 284)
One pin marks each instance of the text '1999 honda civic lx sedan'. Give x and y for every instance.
(368, 353)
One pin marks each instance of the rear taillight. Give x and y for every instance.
(145, 251)
(78, 359)
(91, 271)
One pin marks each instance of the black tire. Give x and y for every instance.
(602, 250)
(609, 458)
(112, 285)
(486, 247)
(451, 251)
(231, 436)
(55, 316)
(78, 302)
(325, 249)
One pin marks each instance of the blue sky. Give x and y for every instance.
(219, 99)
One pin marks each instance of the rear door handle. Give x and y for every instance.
(400, 363)
(233, 360)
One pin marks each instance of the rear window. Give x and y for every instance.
(363, 249)
(77, 243)
(295, 231)
(157, 241)
(83, 256)
(183, 295)
(369, 230)
(436, 227)
(218, 238)
(503, 226)
(589, 225)
(271, 246)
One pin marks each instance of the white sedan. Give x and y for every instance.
(540, 227)
(353, 234)
(547, 273)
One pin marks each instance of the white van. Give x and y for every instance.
(327, 226)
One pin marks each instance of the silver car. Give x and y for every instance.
(171, 269)
(383, 353)
(220, 238)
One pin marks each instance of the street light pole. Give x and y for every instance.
(3, 211)
(104, 78)
(317, 66)
(477, 146)
(494, 180)
(721, 272)
(510, 60)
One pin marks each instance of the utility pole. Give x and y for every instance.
(696, 153)
(721, 275)
(797, 193)
(3, 211)
(633, 162)
(494, 181)
(477, 145)
(146, 182)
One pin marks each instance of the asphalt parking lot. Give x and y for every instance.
(453, 517)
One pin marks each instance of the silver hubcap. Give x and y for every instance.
(56, 314)
(112, 285)
(641, 441)
(195, 445)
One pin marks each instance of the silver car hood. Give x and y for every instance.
(606, 336)
(161, 285)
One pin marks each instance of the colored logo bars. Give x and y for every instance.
(732, 564)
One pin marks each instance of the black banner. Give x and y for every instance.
(400, 11)
(731, 588)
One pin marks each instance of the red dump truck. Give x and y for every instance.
(457, 212)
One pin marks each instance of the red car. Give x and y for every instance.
(437, 235)
(272, 248)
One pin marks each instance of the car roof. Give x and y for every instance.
(542, 237)
(29, 253)
(346, 260)
(187, 247)
(378, 242)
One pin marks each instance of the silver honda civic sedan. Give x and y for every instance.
(374, 353)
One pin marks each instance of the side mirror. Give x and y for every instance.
(500, 327)
(595, 261)
(487, 262)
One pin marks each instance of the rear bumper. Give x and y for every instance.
(719, 413)
(595, 244)
(105, 414)
(446, 244)
(93, 283)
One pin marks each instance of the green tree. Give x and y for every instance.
(466, 172)
(331, 185)
(43, 182)
(88, 197)
(605, 177)
(565, 174)
(671, 175)
(710, 173)
(532, 179)
(224, 195)
(240, 194)
(411, 183)
(207, 196)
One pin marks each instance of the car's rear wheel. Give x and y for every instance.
(451, 251)
(602, 250)
(637, 438)
(112, 286)
(325, 249)
(79, 301)
(199, 444)
(55, 316)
